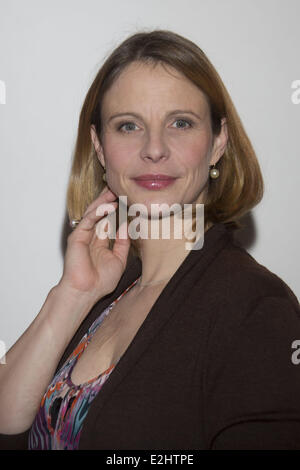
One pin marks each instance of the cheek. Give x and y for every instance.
(196, 154)
(194, 148)
(119, 154)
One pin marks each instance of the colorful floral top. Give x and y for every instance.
(64, 406)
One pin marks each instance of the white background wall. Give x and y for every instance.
(50, 52)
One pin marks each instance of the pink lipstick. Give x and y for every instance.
(154, 181)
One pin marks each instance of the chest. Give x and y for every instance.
(114, 335)
(153, 399)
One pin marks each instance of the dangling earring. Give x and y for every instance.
(104, 176)
(213, 172)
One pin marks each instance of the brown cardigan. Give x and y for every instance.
(209, 368)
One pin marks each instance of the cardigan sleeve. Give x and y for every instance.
(253, 395)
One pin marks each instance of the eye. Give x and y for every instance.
(122, 127)
(126, 124)
(184, 121)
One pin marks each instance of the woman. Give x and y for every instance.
(194, 349)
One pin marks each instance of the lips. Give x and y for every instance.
(156, 177)
(154, 182)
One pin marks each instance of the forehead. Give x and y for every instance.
(160, 85)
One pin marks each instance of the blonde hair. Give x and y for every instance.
(239, 186)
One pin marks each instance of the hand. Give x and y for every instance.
(90, 266)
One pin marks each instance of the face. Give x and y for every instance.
(163, 127)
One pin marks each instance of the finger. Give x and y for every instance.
(122, 243)
(89, 220)
(106, 196)
(86, 228)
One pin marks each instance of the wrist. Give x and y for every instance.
(63, 312)
(66, 308)
(71, 296)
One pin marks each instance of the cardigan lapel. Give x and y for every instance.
(164, 307)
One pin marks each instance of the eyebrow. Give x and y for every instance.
(171, 113)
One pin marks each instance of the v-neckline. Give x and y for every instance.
(89, 335)
(216, 237)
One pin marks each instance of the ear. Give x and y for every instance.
(220, 143)
(97, 145)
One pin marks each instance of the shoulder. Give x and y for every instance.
(254, 318)
(245, 278)
(238, 294)
(251, 375)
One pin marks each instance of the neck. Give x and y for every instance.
(161, 257)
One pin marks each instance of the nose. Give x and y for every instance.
(155, 147)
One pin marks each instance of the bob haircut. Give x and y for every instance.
(239, 186)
